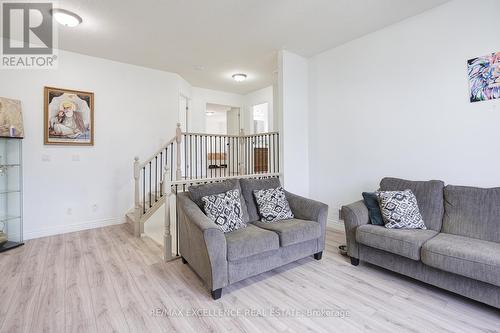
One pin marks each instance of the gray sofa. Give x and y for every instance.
(222, 259)
(459, 252)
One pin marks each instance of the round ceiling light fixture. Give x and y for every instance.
(239, 77)
(210, 113)
(66, 18)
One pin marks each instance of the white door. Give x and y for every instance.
(183, 112)
(233, 121)
(183, 120)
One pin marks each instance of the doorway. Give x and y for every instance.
(222, 119)
(184, 106)
(260, 117)
(222, 122)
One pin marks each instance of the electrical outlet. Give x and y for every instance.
(95, 208)
(45, 158)
(69, 211)
(76, 158)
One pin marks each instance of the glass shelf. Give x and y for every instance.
(9, 191)
(8, 218)
(11, 196)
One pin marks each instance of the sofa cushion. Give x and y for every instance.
(250, 241)
(250, 185)
(429, 196)
(404, 242)
(472, 212)
(293, 231)
(470, 257)
(196, 192)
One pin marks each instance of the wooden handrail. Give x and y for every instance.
(165, 146)
(230, 136)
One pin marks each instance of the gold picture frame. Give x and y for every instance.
(68, 117)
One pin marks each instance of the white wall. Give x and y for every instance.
(135, 112)
(294, 118)
(217, 123)
(264, 95)
(200, 98)
(395, 103)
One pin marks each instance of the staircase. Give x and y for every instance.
(191, 159)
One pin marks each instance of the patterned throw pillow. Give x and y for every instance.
(272, 205)
(400, 210)
(225, 210)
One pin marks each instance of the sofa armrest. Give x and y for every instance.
(307, 209)
(311, 210)
(202, 243)
(354, 215)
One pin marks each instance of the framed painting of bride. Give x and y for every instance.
(68, 117)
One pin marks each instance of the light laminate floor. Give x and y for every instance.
(105, 280)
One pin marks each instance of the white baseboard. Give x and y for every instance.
(335, 224)
(72, 227)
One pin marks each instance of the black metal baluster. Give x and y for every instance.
(237, 155)
(150, 185)
(220, 156)
(257, 154)
(161, 170)
(206, 157)
(144, 189)
(261, 155)
(176, 226)
(201, 156)
(156, 178)
(172, 161)
(232, 156)
(274, 154)
(268, 146)
(210, 158)
(278, 148)
(229, 165)
(185, 155)
(195, 156)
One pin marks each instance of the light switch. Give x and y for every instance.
(76, 158)
(45, 158)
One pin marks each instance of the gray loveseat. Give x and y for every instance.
(221, 259)
(459, 252)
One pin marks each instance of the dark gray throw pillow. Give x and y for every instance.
(371, 202)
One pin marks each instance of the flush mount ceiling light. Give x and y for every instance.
(239, 77)
(210, 113)
(66, 18)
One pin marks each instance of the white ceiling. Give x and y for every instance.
(222, 37)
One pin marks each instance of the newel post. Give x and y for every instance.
(137, 198)
(178, 140)
(167, 235)
(241, 139)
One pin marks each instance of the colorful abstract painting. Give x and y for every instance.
(484, 77)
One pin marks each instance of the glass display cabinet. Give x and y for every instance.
(11, 196)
